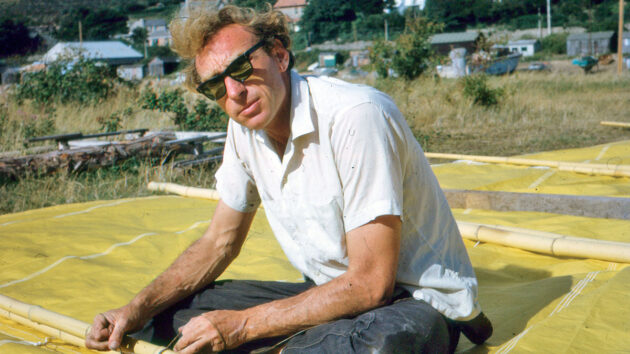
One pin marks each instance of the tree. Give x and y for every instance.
(411, 53)
(139, 37)
(96, 24)
(368, 7)
(15, 39)
(326, 19)
(255, 4)
(413, 48)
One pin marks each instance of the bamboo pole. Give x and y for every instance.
(65, 328)
(620, 40)
(615, 124)
(586, 168)
(184, 190)
(530, 240)
(547, 243)
(47, 330)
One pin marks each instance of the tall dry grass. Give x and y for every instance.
(539, 112)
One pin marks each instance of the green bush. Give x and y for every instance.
(381, 54)
(476, 88)
(4, 117)
(82, 82)
(555, 43)
(412, 54)
(114, 121)
(204, 117)
(34, 125)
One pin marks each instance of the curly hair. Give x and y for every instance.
(190, 35)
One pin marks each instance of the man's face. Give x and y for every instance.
(260, 99)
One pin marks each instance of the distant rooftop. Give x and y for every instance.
(289, 3)
(523, 42)
(454, 37)
(155, 22)
(105, 50)
(590, 36)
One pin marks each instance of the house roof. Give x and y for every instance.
(523, 42)
(105, 50)
(160, 33)
(590, 36)
(290, 3)
(155, 22)
(454, 37)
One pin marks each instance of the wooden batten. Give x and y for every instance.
(578, 205)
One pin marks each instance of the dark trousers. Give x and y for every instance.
(405, 326)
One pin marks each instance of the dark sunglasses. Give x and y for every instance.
(240, 69)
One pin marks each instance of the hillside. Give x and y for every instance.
(49, 12)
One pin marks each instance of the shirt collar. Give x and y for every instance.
(301, 120)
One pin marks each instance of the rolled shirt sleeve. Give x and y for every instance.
(368, 153)
(235, 183)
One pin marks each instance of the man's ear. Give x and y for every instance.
(281, 55)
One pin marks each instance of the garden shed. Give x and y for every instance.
(527, 47)
(162, 66)
(591, 43)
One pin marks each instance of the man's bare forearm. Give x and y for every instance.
(368, 283)
(203, 262)
(341, 297)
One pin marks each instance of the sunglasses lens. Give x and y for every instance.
(241, 70)
(213, 89)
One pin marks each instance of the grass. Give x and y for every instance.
(537, 112)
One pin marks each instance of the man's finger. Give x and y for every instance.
(117, 334)
(96, 344)
(99, 333)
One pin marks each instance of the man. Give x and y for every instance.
(348, 194)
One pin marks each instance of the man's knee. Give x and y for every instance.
(407, 326)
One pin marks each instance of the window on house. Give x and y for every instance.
(523, 49)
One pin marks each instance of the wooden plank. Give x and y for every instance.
(590, 206)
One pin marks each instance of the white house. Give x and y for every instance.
(157, 30)
(402, 5)
(527, 47)
(293, 9)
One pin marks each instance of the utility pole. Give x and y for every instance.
(539, 24)
(80, 34)
(620, 39)
(548, 17)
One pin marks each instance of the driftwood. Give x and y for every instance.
(85, 158)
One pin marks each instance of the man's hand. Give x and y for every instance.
(109, 328)
(213, 331)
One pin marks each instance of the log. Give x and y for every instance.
(90, 157)
(63, 327)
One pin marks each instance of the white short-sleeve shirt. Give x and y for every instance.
(351, 157)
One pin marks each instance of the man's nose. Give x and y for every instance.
(234, 88)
